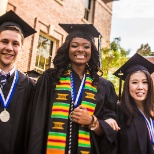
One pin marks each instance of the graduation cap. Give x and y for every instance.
(135, 63)
(11, 19)
(33, 74)
(86, 31)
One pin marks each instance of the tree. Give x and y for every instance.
(144, 50)
(113, 57)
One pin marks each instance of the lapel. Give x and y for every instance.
(142, 134)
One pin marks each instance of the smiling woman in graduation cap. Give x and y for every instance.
(136, 108)
(74, 108)
(15, 87)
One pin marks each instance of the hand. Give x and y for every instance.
(113, 124)
(81, 116)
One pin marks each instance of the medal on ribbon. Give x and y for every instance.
(5, 115)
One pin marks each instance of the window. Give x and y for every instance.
(88, 14)
(44, 54)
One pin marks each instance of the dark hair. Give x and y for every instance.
(61, 62)
(127, 104)
(13, 28)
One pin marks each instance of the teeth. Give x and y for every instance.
(140, 93)
(7, 54)
(80, 56)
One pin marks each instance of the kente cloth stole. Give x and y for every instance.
(56, 142)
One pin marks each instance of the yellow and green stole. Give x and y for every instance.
(56, 142)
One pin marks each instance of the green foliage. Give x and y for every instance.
(144, 50)
(113, 57)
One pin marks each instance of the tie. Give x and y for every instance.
(3, 78)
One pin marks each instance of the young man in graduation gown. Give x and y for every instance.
(74, 108)
(15, 87)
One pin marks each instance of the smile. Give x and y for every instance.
(80, 56)
(140, 93)
(7, 54)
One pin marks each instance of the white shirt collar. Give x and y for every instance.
(11, 72)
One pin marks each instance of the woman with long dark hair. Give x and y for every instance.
(74, 108)
(136, 108)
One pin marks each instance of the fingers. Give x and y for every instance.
(113, 124)
(74, 115)
(82, 107)
(80, 115)
(77, 111)
(80, 111)
(79, 108)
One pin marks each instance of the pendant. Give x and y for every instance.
(4, 116)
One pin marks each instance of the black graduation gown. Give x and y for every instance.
(135, 138)
(13, 132)
(105, 108)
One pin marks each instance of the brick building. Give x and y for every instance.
(151, 59)
(44, 15)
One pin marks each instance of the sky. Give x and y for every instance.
(133, 22)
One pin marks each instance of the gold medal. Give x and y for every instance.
(4, 116)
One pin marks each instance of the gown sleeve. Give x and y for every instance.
(106, 108)
(39, 116)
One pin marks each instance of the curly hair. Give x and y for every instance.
(127, 104)
(61, 62)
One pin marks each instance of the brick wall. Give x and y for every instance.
(44, 16)
(151, 59)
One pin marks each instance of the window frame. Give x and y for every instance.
(89, 11)
(51, 55)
